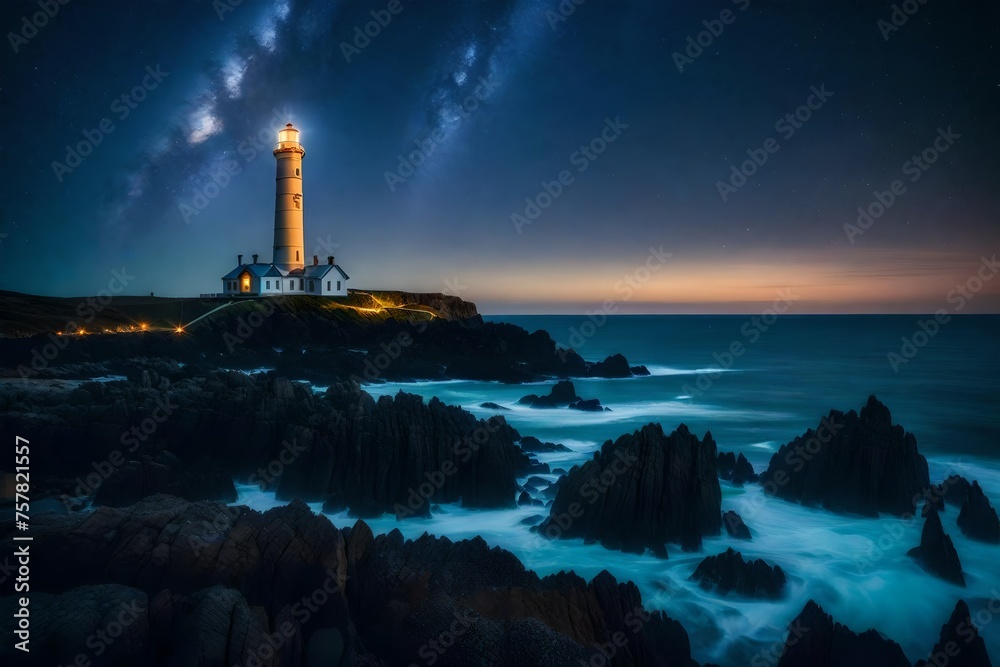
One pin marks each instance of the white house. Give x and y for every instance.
(288, 273)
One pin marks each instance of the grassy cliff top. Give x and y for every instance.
(27, 314)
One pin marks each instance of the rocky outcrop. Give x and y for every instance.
(615, 366)
(588, 405)
(978, 518)
(735, 469)
(815, 639)
(959, 644)
(640, 492)
(729, 573)
(955, 490)
(533, 445)
(395, 454)
(936, 553)
(562, 394)
(859, 464)
(735, 526)
(215, 579)
(135, 480)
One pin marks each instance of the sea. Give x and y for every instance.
(755, 383)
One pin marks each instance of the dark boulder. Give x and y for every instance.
(815, 639)
(135, 480)
(858, 464)
(956, 490)
(735, 526)
(640, 371)
(959, 644)
(729, 573)
(936, 553)
(615, 366)
(641, 491)
(978, 518)
(562, 394)
(591, 405)
(533, 445)
(489, 405)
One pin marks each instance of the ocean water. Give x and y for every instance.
(784, 376)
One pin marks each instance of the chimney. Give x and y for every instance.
(329, 259)
(315, 260)
(239, 260)
(255, 259)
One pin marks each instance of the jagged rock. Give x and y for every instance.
(562, 394)
(641, 491)
(860, 464)
(615, 366)
(639, 370)
(956, 490)
(489, 405)
(591, 405)
(135, 480)
(523, 499)
(936, 553)
(738, 470)
(532, 520)
(815, 639)
(735, 526)
(728, 572)
(978, 518)
(219, 578)
(959, 644)
(533, 445)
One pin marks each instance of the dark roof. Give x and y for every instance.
(259, 270)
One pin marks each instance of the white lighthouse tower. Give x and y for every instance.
(288, 273)
(288, 231)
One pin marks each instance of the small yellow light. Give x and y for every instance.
(180, 329)
(144, 326)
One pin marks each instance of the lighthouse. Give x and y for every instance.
(288, 230)
(288, 273)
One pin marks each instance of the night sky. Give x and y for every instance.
(508, 93)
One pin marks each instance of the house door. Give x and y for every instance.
(245, 282)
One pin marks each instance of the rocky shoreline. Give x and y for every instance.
(141, 503)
